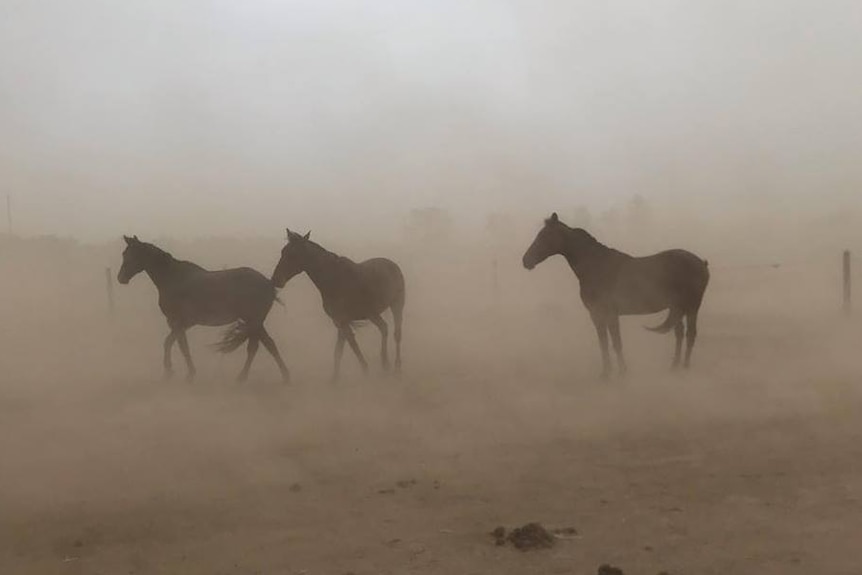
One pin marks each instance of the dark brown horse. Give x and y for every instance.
(615, 284)
(189, 295)
(351, 292)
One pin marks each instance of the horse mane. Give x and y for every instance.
(580, 231)
(586, 236)
(330, 254)
(167, 257)
(190, 265)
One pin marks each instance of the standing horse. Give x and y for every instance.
(351, 292)
(615, 284)
(189, 295)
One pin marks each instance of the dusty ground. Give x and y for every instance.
(751, 463)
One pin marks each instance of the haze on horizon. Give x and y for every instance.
(202, 118)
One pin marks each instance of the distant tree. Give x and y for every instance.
(638, 214)
(610, 220)
(429, 224)
(499, 226)
(582, 218)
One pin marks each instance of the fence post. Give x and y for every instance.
(847, 283)
(109, 285)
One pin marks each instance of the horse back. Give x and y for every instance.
(672, 278)
(678, 266)
(219, 297)
(641, 285)
(384, 279)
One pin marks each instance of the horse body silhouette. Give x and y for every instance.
(190, 295)
(351, 292)
(614, 283)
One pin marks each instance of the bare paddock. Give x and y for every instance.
(431, 139)
(749, 463)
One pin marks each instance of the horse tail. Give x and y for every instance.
(673, 318)
(234, 336)
(275, 297)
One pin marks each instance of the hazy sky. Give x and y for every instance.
(222, 117)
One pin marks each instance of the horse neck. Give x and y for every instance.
(163, 269)
(587, 256)
(322, 267)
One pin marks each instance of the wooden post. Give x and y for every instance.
(847, 283)
(109, 285)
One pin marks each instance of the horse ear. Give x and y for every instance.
(306, 236)
(128, 240)
(136, 239)
(555, 218)
(292, 236)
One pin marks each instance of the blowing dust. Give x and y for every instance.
(747, 462)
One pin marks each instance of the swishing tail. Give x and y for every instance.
(234, 336)
(275, 297)
(673, 318)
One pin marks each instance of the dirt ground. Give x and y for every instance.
(749, 463)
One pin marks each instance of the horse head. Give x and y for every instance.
(293, 258)
(134, 259)
(549, 241)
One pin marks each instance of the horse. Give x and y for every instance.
(351, 292)
(614, 283)
(190, 295)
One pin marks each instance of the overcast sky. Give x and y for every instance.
(223, 117)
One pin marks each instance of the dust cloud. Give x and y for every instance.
(499, 418)
(440, 137)
(215, 118)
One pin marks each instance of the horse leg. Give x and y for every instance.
(253, 345)
(168, 363)
(339, 351)
(690, 335)
(184, 347)
(601, 323)
(679, 331)
(351, 339)
(616, 338)
(270, 346)
(384, 335)
(398, 320)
